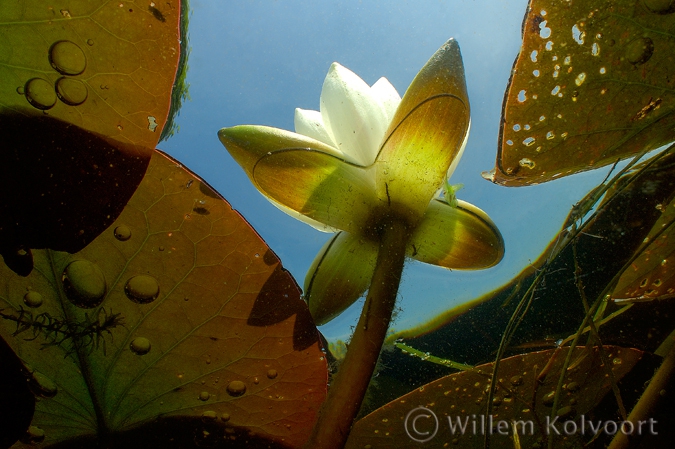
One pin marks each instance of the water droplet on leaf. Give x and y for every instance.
(140, 345)
(33, 435)
(142, 289)
(660, 6)
(40, 94)
(67, 58)
(71, 91)
(639, 50)
(84, 284)
(122, 233)
(209, 415)
(42, 386)
(32, 299)
(272, 373)
(204, 396)
(236, 388)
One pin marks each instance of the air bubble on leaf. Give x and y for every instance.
(32, 299)
(67, 58)
(533, 55)
(84, 284)
(567, 60)
(526, 127)
(90, 42)
(595, 49)
(236, 388)
(578, 35)
(535, 96)
(564, 135)
(603, 70)
(42, 385)
(209, 415)
(542, 12)
(535, 72)
(555, 90)
(555, 74)
(225, 417)
(542, 118)
(550, 135)
(40, 93)
(71, 91)
(516, 127)
(140, 345)
(122, 233)
(639, 50)
(204, 396)
(580, 79)
(272, 373)
(142, 289)
(544, 31)
(20, 90)
(33, 435)
(509, 142)
(549, 45)
(529, 141)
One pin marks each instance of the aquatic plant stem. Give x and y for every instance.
(644, 410)
(349, 385)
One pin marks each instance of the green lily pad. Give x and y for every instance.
(176, 324)
(592, 84)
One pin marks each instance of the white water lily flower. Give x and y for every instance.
(365, 157)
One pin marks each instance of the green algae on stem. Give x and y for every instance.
(350, 383)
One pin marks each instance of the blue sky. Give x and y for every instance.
(254, 62)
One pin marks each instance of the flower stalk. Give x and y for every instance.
(350, 383)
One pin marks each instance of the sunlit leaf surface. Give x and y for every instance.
(519, 396)
(593, 83)
(86, 88)
(105, 66)
(177, 318)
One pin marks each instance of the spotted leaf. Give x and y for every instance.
(592, 84)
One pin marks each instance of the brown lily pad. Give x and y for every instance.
(592, 84)
(177, 313)
(436, 412)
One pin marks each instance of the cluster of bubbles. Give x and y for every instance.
(69, 60)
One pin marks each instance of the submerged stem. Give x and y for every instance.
(349, 385)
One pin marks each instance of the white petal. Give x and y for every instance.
(309, 123)
(352, 115)
(455, 161)
(388, 96)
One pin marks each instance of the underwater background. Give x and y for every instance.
(138, 308)
(254, 63)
